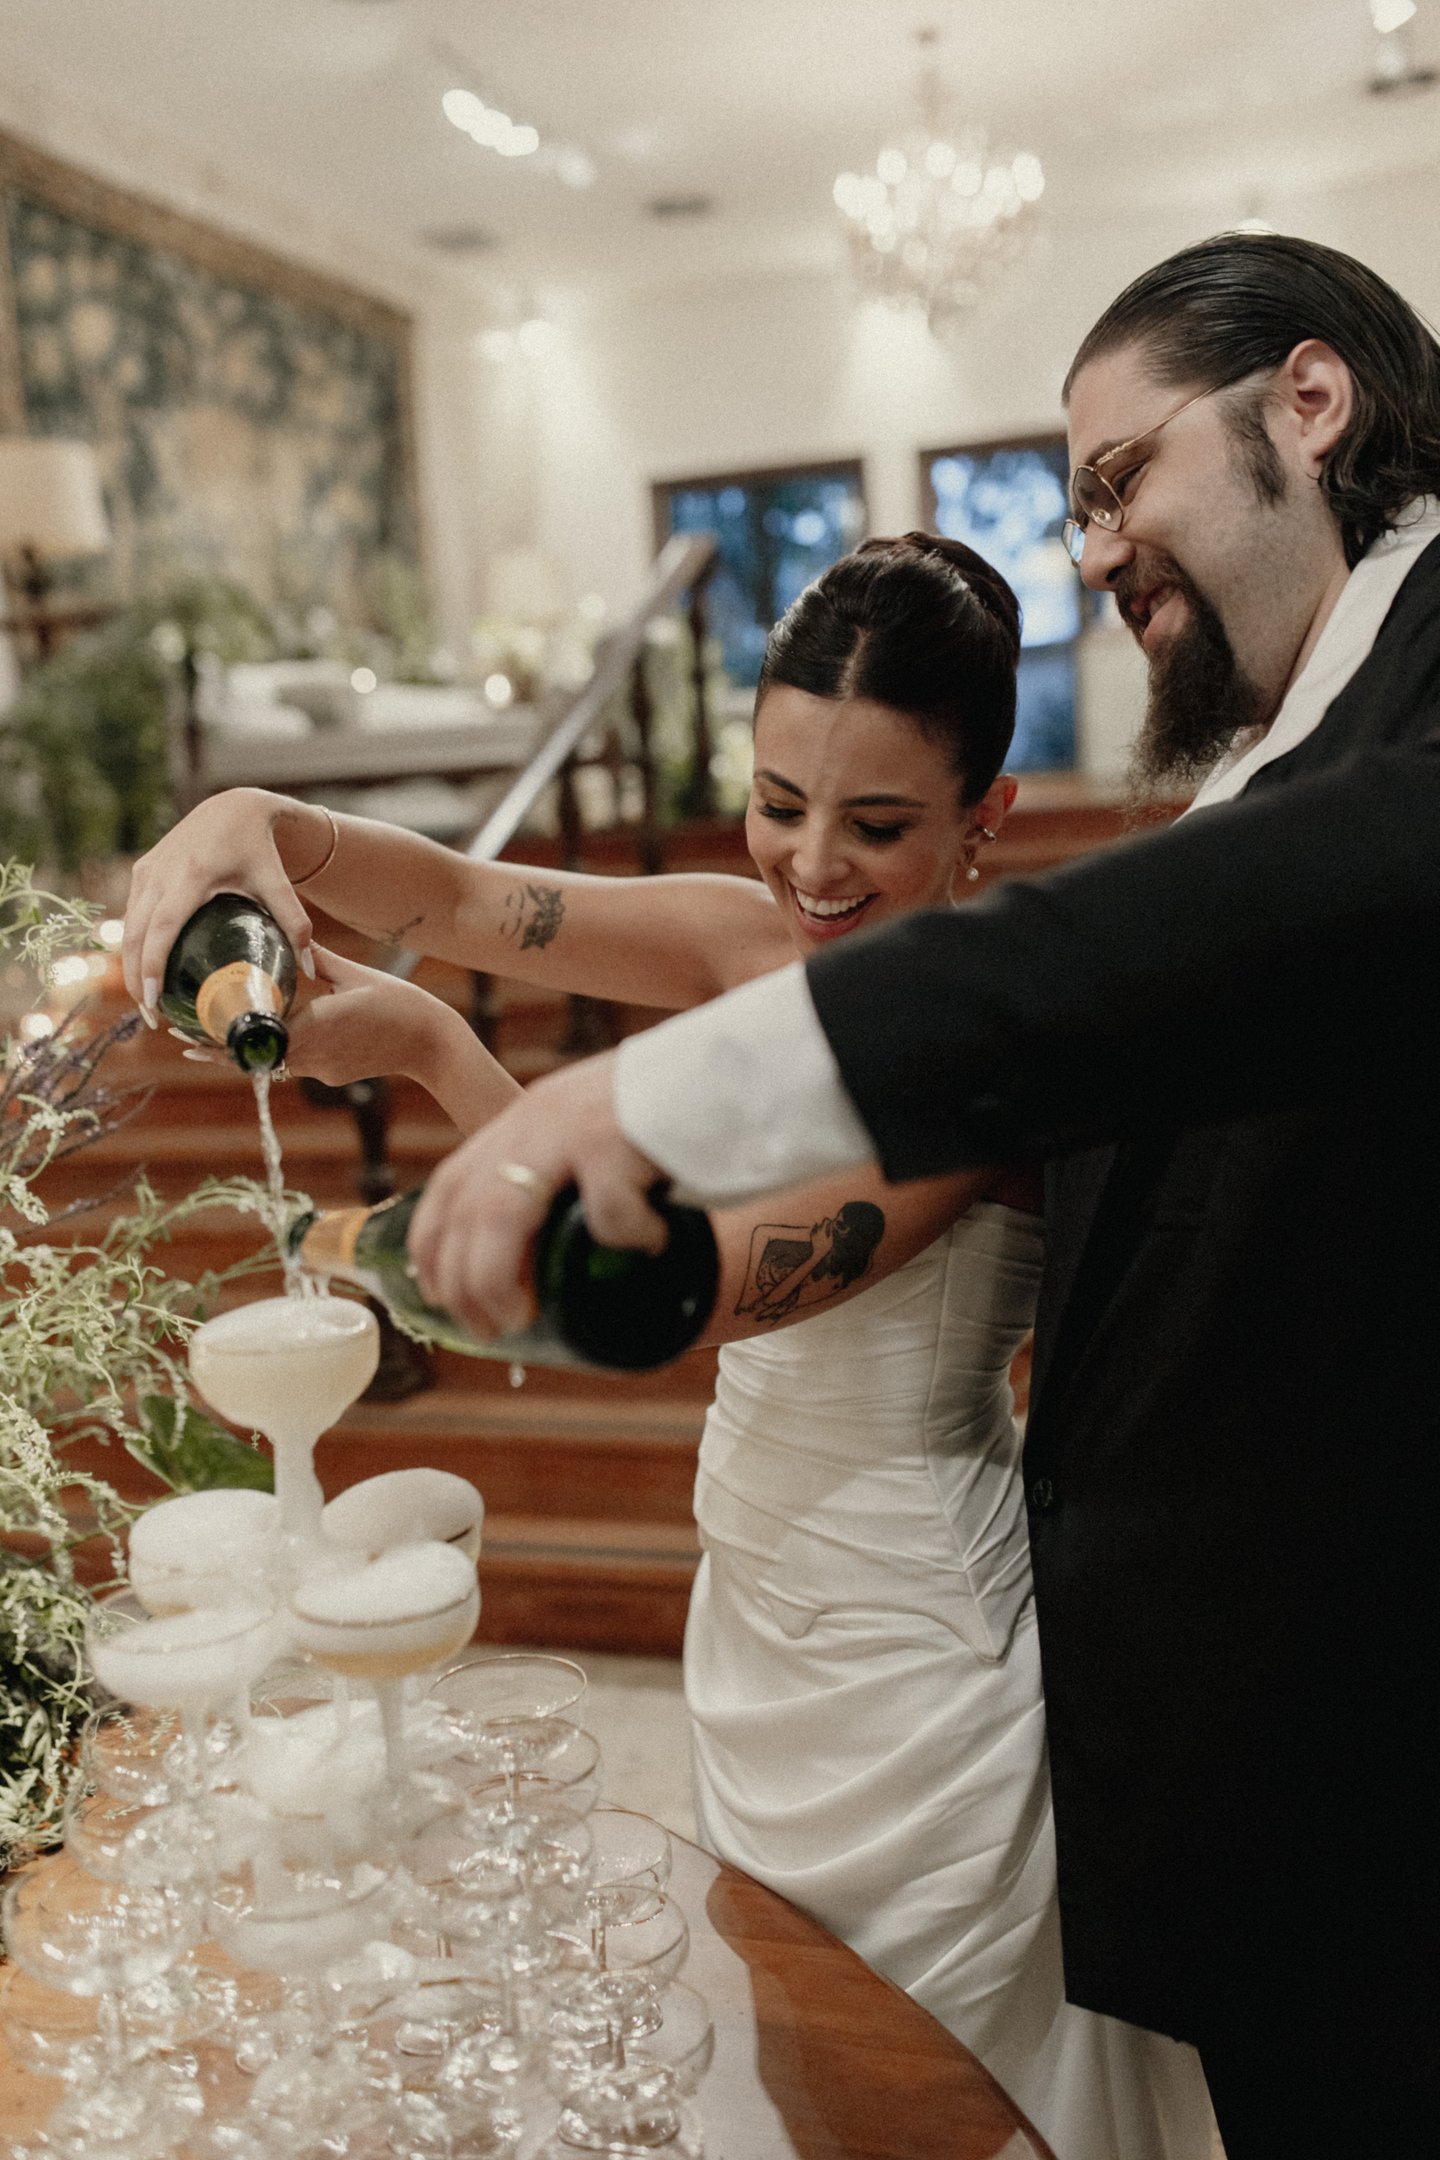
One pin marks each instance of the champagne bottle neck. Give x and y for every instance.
(325, 1244)
(241, 1008)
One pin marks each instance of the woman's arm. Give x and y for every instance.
(670, 942)
(800, 1253)
(365, 1022)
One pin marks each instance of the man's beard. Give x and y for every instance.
(1199, 697)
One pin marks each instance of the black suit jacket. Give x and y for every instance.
(1223, 1038)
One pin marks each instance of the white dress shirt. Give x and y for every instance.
(743, 1096)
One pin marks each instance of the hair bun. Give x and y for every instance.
(992, 590)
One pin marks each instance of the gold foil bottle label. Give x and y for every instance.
(328, 1246)
(232, 990)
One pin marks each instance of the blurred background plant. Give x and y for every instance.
(83, 756)
(92, 1346)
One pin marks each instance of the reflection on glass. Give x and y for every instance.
(1010, 505)
(775, 533)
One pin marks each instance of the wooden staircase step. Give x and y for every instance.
(598, 1459)
(586, 1585)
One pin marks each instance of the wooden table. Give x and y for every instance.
(816, 2057)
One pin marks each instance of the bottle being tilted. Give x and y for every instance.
(230, 979)
(627, 1311)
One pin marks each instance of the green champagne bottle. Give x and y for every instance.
(627, 1311)
(230, 979)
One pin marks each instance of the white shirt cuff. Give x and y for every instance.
(741, 1096)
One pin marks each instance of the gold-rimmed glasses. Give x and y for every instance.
(1095, 500)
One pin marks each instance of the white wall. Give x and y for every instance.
(760, 372)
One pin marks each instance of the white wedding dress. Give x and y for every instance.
(863, 1677)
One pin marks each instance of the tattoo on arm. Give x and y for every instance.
(533, 914)
(391, 936)
(792, 1267)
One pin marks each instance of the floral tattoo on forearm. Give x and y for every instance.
(533, 914)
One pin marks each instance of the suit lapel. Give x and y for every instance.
(1094, 1196)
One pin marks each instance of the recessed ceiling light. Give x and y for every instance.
(680, 206)
(461, 239)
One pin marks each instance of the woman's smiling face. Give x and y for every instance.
(854, 817)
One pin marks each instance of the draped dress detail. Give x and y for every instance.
(863, 1677)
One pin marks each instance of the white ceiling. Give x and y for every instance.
(333, 107)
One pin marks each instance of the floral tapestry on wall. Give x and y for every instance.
(251, 419)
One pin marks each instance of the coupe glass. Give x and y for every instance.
(530, 1766)
(630, 2098)
(191, 1662)
(642, 1946)
(97, 1939)
(308, 1924)
(379, 1622)
(488, 1686)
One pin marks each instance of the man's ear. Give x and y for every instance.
(1315, 392)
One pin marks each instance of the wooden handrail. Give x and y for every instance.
(682, 565)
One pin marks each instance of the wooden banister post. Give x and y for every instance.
(703, 789)
(650, 842)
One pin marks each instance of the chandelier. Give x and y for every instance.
(940, 213)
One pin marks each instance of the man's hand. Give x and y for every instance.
(471, 1237)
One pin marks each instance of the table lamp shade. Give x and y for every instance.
(50, 499)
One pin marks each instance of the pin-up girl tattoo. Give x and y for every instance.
(792, 1267)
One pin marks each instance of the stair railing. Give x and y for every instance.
(683, 567)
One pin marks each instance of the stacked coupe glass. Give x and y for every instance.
(340, 1885)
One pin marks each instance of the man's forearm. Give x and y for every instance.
(1260, 955)
(741, 1097)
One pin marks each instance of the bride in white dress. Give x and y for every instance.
(861, 1659)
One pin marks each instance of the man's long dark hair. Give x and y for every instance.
(1239, 303)
(921, 624)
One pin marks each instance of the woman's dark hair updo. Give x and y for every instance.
(921, 624)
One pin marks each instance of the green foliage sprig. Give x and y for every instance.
(92, 1344)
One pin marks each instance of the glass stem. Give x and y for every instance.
(195, 1727)
(390, 1696)
(110, 2022)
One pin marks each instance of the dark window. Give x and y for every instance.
(1007, 500)
(776, 531)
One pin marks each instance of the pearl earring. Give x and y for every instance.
(972, 875)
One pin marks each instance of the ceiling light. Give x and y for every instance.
(574, 166)
(460, 239)
(680, 207)
(940, 213)
(492, 129)
(535, 336)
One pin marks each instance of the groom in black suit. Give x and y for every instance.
(1222, 1038)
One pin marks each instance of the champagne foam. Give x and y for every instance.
(192, 1526)
(402, 1506)
(409, 1582)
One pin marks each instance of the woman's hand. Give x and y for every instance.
(363, 1022)
(246, 841)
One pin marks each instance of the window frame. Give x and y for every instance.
(988, 446)
(850, 468)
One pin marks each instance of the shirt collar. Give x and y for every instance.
(1342, 645)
